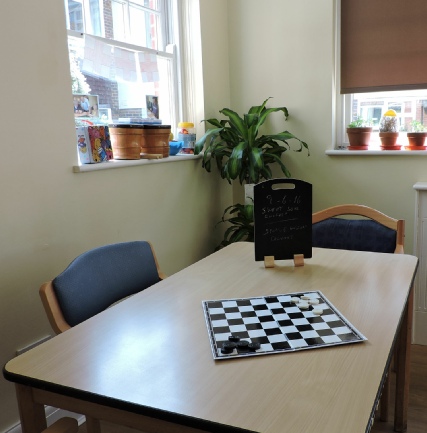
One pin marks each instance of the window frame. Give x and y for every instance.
(342, 104)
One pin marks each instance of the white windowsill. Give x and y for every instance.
(115, 163)
(345, 152)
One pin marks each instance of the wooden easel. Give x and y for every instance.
(298, 261)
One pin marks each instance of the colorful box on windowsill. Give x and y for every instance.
(93, 144)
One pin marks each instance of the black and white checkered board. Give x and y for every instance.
(277, 324)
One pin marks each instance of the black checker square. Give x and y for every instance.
(263, 319)
(248, 313)
(281, 345)
(244, 302)
(298, 315)
(272, 331)
(221, 330)
(253, 326)
(294, 336)
(218, 317)
(314, 341)
(231, 310)
(325, 332)
(258, 307)
(287, 322)
(336, 324)
(276, 324)
(235, 322)
(302, 328)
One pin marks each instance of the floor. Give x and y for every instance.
(417, 412)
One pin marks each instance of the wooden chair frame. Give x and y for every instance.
(53, 309)
(387, 221)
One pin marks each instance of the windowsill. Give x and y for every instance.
(375, 152)
(115, 163)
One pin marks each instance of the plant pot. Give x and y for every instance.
(389, 141)
(359, 138)
(416, 139)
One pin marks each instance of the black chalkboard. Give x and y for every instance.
(282, 219)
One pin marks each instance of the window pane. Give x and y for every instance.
(137, 22)
(75, 15)
(124, 80)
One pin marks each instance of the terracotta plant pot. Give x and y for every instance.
(416, 139)
(359, 138)
(389, 141)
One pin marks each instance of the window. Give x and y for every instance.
(380, 64)
(123, 60)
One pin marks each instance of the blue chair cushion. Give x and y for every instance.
(354, 234)
(99, 277)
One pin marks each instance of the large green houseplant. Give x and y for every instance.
(241, 152)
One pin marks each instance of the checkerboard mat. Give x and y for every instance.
(277, 324)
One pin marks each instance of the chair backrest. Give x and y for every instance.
(375, 232)
(97, 279)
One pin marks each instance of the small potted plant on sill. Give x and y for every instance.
(359, 134)
(417, 136)
(389, 131)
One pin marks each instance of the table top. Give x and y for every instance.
(151, 353)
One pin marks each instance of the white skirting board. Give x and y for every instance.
(52, 415)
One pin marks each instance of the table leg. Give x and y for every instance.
(403, 367)
(32, 414)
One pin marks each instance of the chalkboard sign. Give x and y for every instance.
(282, 219)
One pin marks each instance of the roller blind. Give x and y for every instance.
(383, 45)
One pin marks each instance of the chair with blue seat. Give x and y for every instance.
(93, 282)
(360, 228)
(97, 279)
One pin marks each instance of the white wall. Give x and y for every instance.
(49, 214)
(285, 49)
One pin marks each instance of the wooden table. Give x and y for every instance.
(147, 362)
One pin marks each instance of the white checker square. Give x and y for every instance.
(288, 329)
(330, 317)
(266, 347)
(302, 321)
(258, 301)
(274, 305)
(233, 315)
(222, 337)
(260, 313)
(298, 343)
(269, 325)
(237, 328)
(342, 330)
(250, 320)
(282, 316)
(277, 338)
(284, 298)
(320, 325)
(292, 309)
(309, 334)
(331, 339)
(256, 333)
(229, 304)
(245, 308)
(218, 323)
(216, 311)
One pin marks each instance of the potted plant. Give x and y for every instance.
(359, 134)
(389, 131)
(417, 136)
(238, 149)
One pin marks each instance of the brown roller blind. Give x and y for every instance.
(383, 45)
